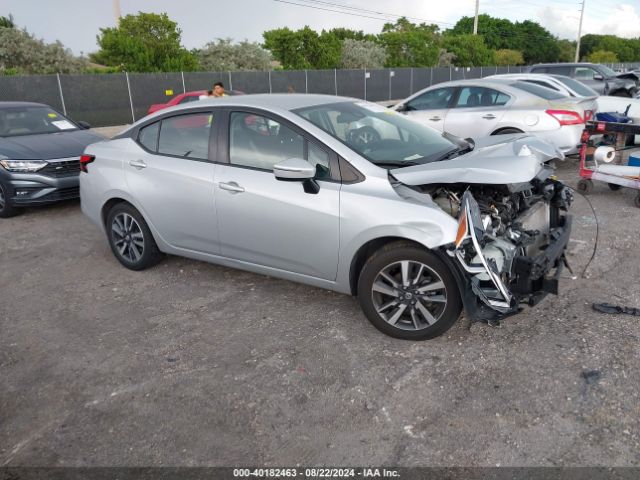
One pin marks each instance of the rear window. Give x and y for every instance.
(578, 87)
(538, 91)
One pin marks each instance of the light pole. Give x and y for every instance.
(116, 11)
(475, 20)
(577, 58)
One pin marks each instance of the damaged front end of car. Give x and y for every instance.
(510, 243)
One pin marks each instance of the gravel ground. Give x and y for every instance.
(195, 364)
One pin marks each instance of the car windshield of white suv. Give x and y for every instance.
(382, 136)
(18, 121)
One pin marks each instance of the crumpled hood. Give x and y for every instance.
(47, 146)
(498, 160)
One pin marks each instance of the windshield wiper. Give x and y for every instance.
(395, 164)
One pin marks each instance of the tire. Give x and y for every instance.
(404, 312)
(6, 207)
(614, 187)
(636, 201)
(130, 239)
(585, 186)
(506, 131)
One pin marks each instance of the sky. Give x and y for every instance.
(77, 22)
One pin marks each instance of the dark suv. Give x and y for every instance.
(599, 77)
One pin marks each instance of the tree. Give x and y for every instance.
(626, 49)
(469, 50)
(304, 48)
(536, 43)
(7, 22)
(146, 42)
(505, 56)
(223, 54)
(567, 50)
(602, 56)
(21, 52)
(410, 45)
(362, 54)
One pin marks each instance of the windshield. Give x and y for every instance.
(32, 120)
(607, 71)
(539, 91)
(382, 136)
(578, 87)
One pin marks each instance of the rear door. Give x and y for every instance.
(431, 108)
(170, 174)
(476, 112)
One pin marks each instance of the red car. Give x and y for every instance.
(184, 98)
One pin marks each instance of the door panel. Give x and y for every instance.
(477, 112)
(276, 224)
(176, 192)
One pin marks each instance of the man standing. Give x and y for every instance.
(218, 90)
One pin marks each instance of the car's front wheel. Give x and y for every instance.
(130, 239)
(6, 207)
(408, 292)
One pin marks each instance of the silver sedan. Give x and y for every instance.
(339, 194)
(479, 108)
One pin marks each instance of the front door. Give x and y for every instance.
(271, 222)
(171, 177)
(431, 108)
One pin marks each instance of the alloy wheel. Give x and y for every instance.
(409, 295)
(127, 237)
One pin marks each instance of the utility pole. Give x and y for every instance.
(579, 33)
(116, 11)
(475, 20)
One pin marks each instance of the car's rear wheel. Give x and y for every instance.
(408, 292)
(130, 239)
(6, 206)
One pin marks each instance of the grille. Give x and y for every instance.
(62, 169)
(63, 194)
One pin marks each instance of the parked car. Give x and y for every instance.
(479, 108)
(185, 98)
(39, 155)
(599, 77)
(573, 88)
(417, 224)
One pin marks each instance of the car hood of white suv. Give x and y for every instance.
(497, 160)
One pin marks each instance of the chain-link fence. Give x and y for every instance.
(115, 99)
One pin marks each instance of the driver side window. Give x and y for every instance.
(434, 99)
(585, 73)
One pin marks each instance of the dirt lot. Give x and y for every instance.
(194, 364)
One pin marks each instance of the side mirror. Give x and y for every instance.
(297, 170)
(598, 77)
(294, 169)
(83, 125)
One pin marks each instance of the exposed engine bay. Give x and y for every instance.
(509, 238)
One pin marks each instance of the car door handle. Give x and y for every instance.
(489, 116)
(435, 119)
(139, 164)
(232, 187)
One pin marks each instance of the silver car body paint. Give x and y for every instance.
(259, 229)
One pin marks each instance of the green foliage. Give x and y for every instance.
(468, 50)
(567, 50)
(22, 53)
(223, 54)
(146, 42)
(626, 49)
(504, 57)
(536, 43)
(602, 56)
(7, 22)
(304, 48)
(410, 45)
(362, 54)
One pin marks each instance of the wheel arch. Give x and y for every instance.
(498, 131)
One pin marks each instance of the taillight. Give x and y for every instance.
(84, 161)
(566, 117)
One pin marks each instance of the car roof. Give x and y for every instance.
(567, 64)
(21, 104)
(284, 101)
